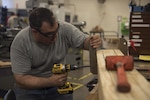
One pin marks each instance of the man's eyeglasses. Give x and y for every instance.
(48, 34)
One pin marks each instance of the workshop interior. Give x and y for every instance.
(122, 24)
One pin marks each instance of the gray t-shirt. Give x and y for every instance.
(30, 57)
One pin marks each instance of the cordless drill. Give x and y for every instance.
(67, 88)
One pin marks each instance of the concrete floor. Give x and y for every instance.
(80, 77)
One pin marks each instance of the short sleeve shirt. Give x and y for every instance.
(32, 58)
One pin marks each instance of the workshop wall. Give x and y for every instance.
(105, 15)
(94, 13)
(14, 3)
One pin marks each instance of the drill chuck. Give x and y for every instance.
(60, 68)
(73, 67)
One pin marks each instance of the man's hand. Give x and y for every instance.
(59, 79)
(95, 41)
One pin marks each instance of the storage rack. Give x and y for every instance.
(140, 33)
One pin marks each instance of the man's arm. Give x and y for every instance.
(33, 82)
(87, 43)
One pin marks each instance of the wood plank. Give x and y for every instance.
(113, 75)
(95, 89)
(106, 88)
(93, 95)
(4, 64)
(108, 81)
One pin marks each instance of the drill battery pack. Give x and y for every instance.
(67, 88)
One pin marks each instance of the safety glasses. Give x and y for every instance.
(48, 34)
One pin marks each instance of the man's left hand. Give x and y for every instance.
(95, 41)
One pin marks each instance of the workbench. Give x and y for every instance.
(107, 81)
(6, 76)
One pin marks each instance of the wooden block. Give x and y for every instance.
(4, 64)
(93, 94)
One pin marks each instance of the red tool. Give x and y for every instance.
(120, 63)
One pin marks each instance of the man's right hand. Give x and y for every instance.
(58, 79)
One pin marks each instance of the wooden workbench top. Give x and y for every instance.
(140, 87)
(5, 64)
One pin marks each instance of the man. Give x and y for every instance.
(37, 48)
(12, 20)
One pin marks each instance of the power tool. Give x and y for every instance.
(67, 88)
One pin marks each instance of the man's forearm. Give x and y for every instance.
(87, 43)
(32, 82)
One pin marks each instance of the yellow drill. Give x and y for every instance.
(67, 88)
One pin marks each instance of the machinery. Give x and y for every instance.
(67, 88)
(6, 38)
(80, 25)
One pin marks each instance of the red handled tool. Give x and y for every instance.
(120, 63)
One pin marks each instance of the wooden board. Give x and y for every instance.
(93, 95)
(140, 87)
(4, 64)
